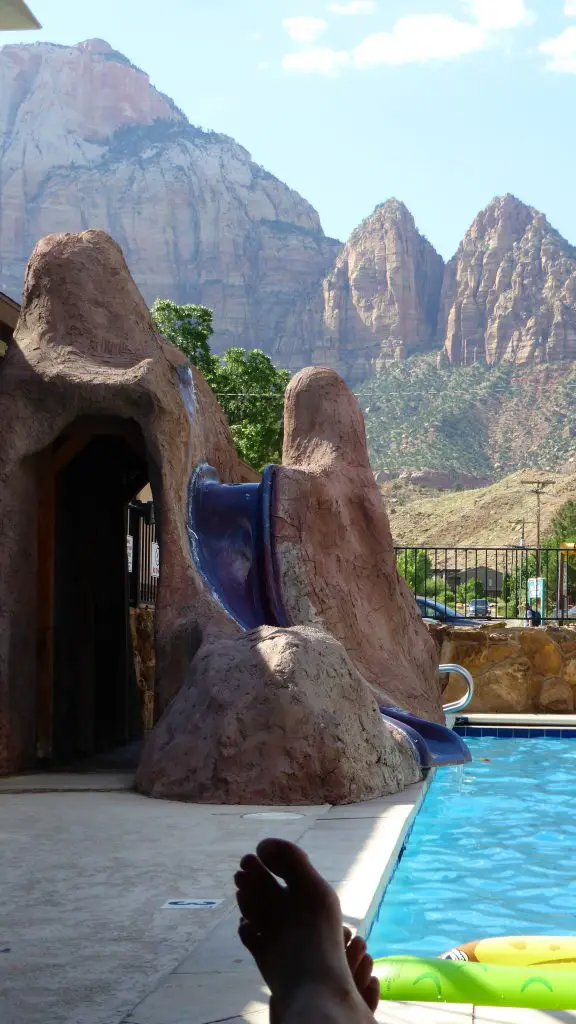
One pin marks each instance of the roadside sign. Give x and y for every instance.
(155, 561)
(130, 550)
(537, 592)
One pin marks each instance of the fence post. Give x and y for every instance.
(136, 556)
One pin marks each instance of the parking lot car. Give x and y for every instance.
(435, 611)
(479, 608)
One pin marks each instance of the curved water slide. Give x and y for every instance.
(231, 540)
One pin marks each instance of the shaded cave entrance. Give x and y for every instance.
(89, 708)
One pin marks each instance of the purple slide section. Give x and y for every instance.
(230, 535)
(437, 746)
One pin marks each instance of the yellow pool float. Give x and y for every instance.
(517, 951)
(535, 971)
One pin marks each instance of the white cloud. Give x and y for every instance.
(353, 7)
(570, 8)
(305, 29)
(414, 38)
(495, 15)
(418, 38)
(561, 51)
(319, 60)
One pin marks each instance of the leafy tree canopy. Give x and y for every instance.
(466, 592)
(563, 525)
(249, 388)
(188, 327)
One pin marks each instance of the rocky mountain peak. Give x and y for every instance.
(509, 293)
(87, 141)
(381, 300)
(97, 46)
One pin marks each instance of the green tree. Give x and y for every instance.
(563, 525)
(466, 592)
(249, 388)
(188, 327)
(415, 565)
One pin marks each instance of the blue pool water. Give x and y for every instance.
(491, 852)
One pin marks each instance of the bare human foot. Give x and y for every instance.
(294, 932)
(361, 963)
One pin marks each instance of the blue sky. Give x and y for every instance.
(441, 103)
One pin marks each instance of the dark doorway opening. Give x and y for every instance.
(95, 705)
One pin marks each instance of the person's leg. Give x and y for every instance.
(294, 932)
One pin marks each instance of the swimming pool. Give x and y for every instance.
(490, 853)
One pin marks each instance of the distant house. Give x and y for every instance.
(491, 579)
(9, 313)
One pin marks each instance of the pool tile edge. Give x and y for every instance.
(361, 891)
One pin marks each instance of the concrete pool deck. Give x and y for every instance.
(87, 866)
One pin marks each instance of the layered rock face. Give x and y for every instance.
(523, 671)
(89, 143)
(509, 293)
(381, 299)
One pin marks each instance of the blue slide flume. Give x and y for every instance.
(229, 530)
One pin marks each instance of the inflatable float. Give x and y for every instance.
(534, 972)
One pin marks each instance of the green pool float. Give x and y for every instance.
(539, 987)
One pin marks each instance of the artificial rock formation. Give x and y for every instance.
(89, 143)
(334, 549)
(516, 670)
(275, 716)
(85, 350)
(270, 715)
(381, 299)
(509, 293)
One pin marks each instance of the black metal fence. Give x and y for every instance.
(497, 583)
(143, 554)
(492, 582)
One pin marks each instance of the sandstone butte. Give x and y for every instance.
(89, 142)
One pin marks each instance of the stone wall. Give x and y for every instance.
(142, 630)
(515, 669)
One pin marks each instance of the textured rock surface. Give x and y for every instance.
(142, 635)
(274, 717)
(334, 548)
(509, 293)
(85, 347)
(380, 300)
(515, 670)
(267, 716)
(556, 697)
(89, 143)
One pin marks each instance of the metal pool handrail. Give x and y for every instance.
(463, 702)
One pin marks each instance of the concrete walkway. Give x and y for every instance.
(86, 867)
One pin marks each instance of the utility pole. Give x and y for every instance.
(538, 489)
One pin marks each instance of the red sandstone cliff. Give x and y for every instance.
(88, 142)
(509, 293)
